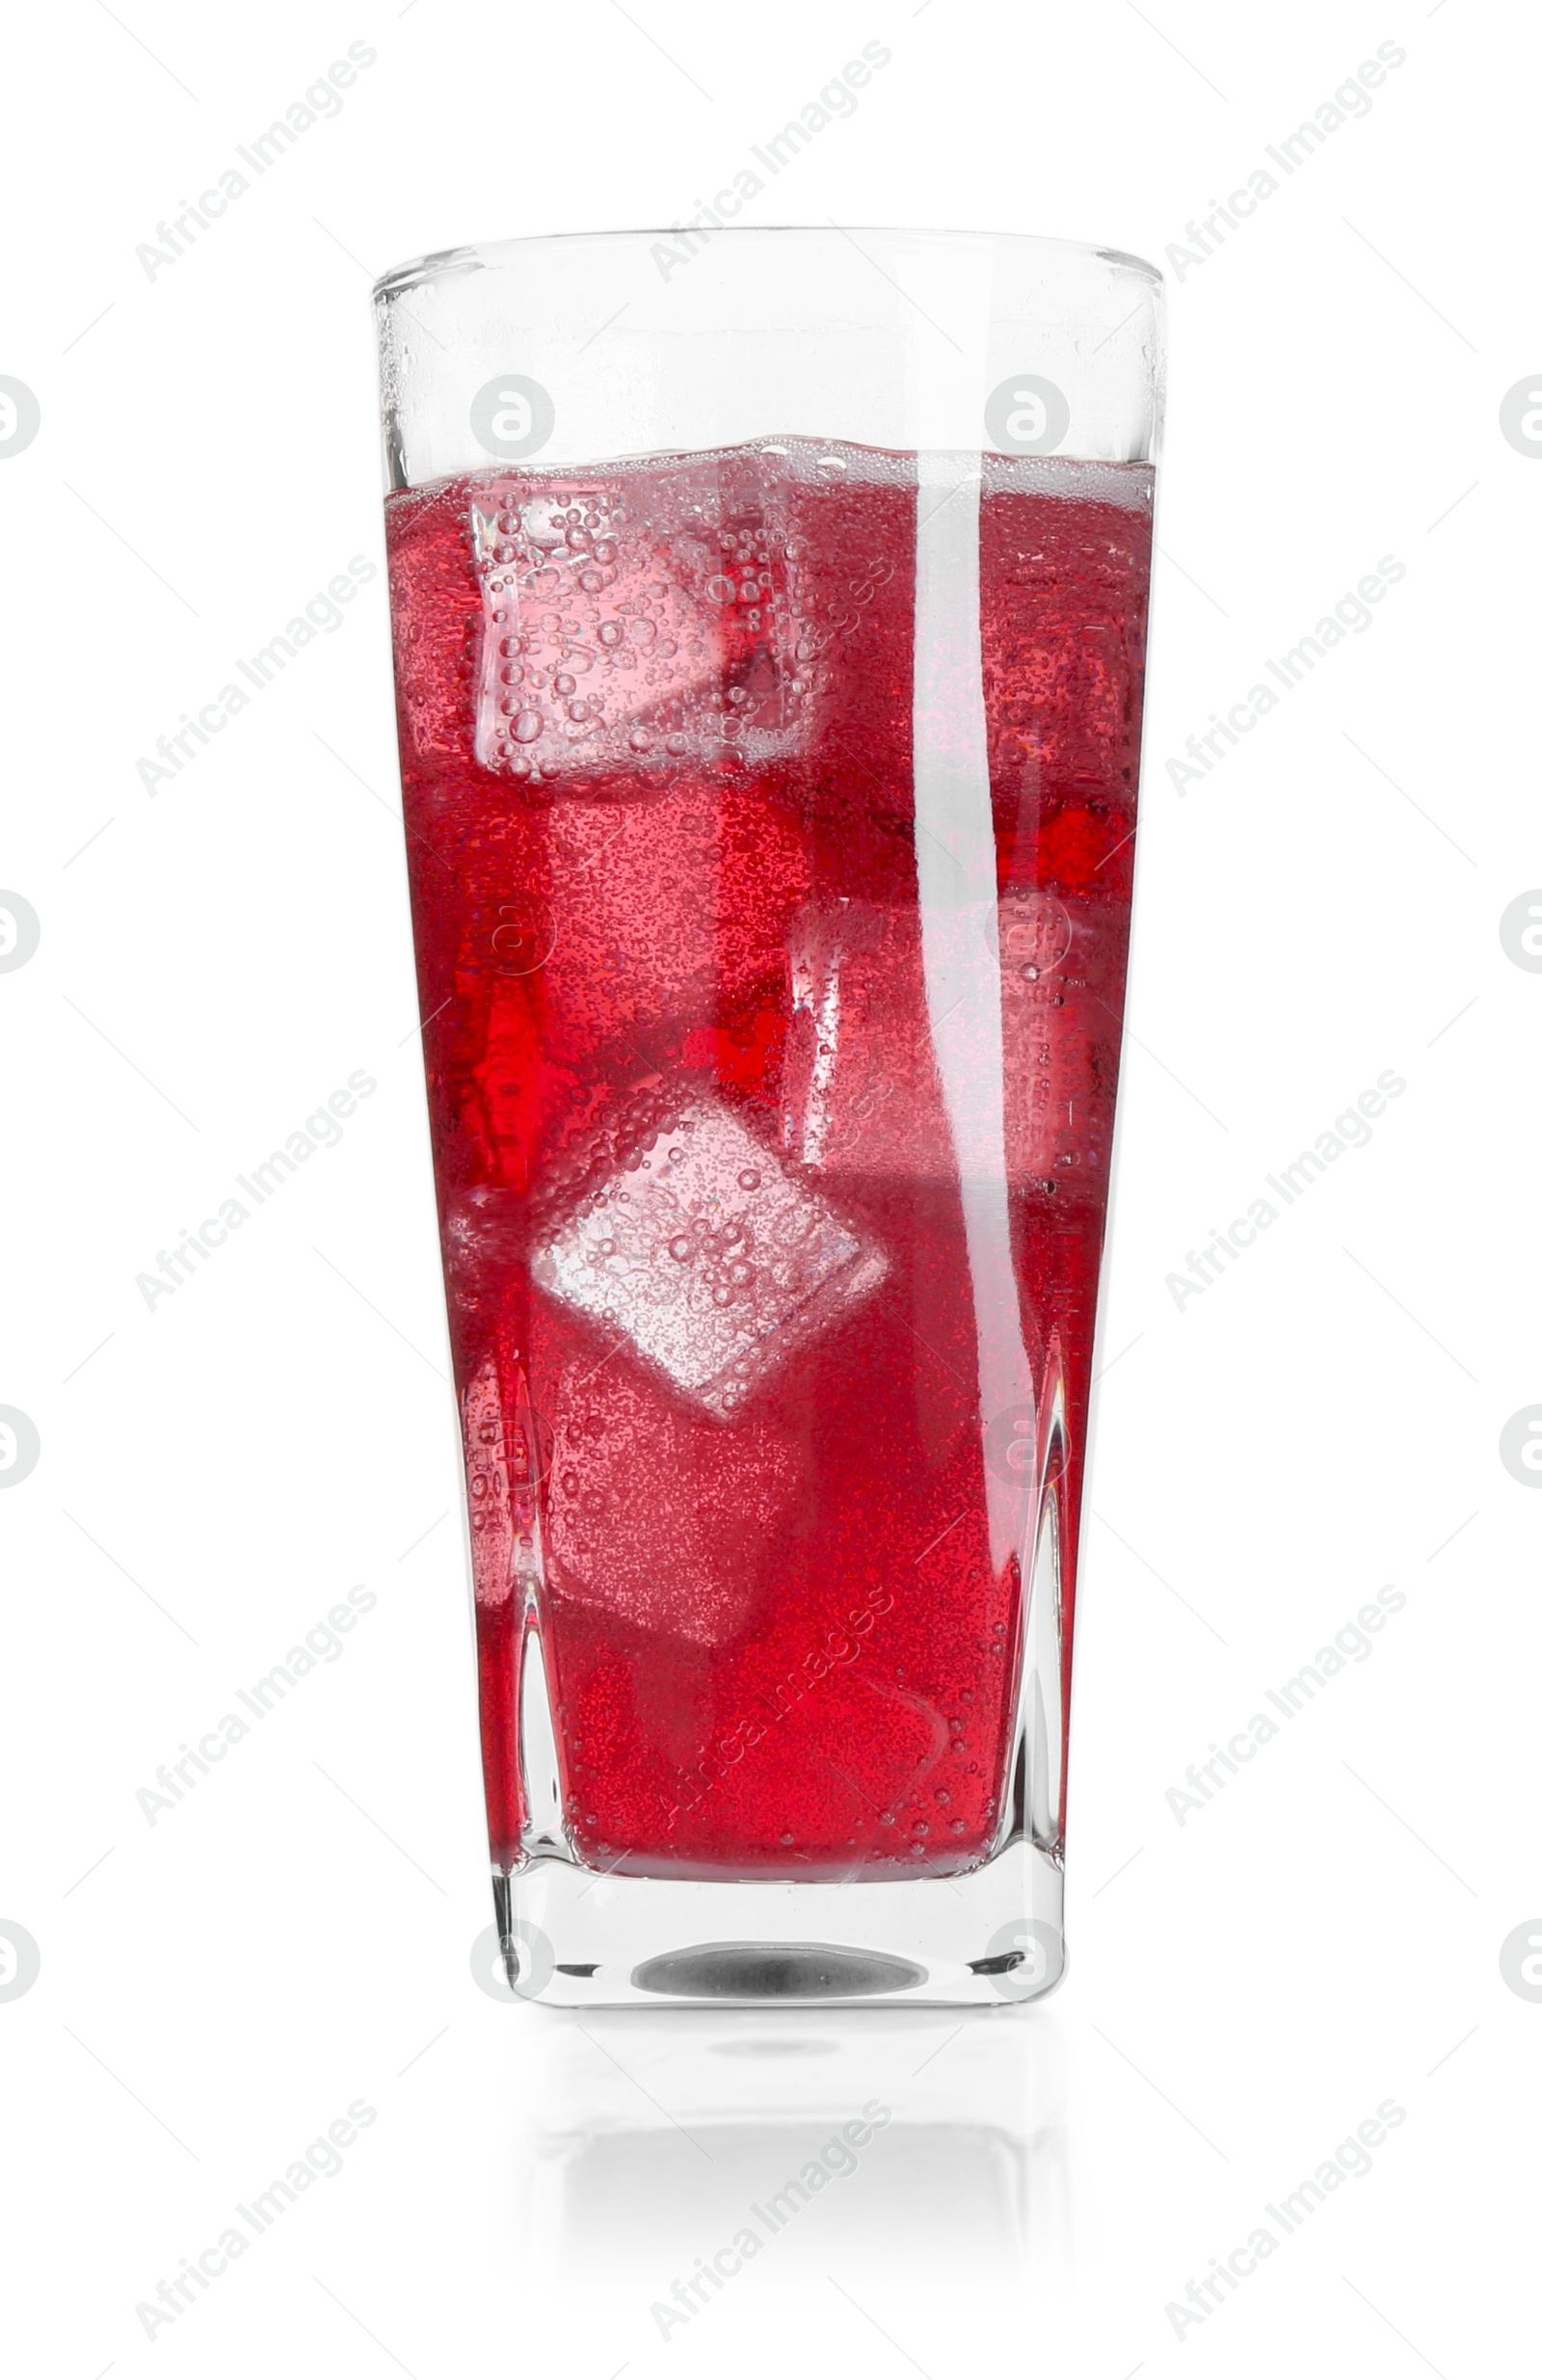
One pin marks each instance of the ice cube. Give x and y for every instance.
(862, 1090)
(657, 1514)
(487, 1489)
(709, 1257)
(1062, 996)
(428, 623)
(635, 619)
(506, 1458)
(668, 913)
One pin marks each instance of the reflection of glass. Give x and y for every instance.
(769, 655)
(672, 2168)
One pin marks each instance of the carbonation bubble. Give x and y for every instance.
(527, 726)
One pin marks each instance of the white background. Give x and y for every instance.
(1246, 1987)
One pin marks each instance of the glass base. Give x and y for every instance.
(581, 1937)
(576, 1938)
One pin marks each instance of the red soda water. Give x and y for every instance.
(772, 1161)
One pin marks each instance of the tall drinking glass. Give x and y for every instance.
(769, 613)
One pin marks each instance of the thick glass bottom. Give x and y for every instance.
(578, 1939)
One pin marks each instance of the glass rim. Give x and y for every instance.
(480, 255)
